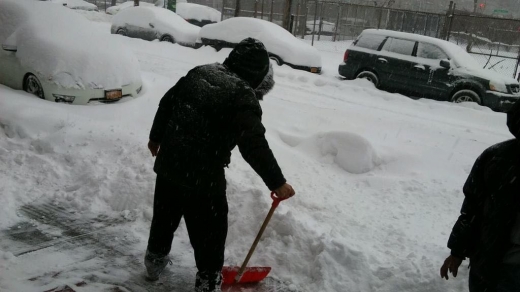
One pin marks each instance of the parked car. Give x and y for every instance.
(49, 51)
(199, 15)
(282, 46)
(151, 23)
(76, 4)
(113, 10)
(422, 66)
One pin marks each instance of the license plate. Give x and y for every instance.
(314, 70)
(113, 94)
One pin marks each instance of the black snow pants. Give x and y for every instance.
(205, 211)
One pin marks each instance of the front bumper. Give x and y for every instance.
(85, 96)
(498, 101)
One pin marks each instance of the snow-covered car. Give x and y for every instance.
(151, 23)
(422, 66)
(75, 4)
(282, 46)
(199, 15)
(49, 51)
(113, 10)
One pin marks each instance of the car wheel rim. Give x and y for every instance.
(34, 87)
(464, 98)
(121, 32)
(167, 39)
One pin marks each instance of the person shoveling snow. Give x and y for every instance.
(200, 120)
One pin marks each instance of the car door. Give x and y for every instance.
(395, 61)
(430, 76)
(11, 73)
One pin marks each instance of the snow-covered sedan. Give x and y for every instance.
(199, 15)
(53, 53)
(76, 4)
(151, 23)
(113, 10)
(282, 46)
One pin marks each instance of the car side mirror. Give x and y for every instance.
(151, 25)
(9, 48)
(445, 64)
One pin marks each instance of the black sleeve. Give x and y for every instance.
(463, 235)
(254, 148)
(163, 116)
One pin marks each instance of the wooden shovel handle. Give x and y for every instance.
(276, 202)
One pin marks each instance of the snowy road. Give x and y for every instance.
(378, 179)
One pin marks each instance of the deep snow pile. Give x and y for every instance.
(378, 177)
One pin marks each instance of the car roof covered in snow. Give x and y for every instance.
(198, 12)
(276, 39)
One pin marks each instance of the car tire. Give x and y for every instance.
(121, 31)
(278, 61)
(466, 95)
(168, 38)
(370, 76)
(32, 85)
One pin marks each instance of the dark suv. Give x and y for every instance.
(421, 66)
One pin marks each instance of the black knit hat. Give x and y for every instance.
(249, 60)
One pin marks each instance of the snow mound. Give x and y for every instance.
(349, 151)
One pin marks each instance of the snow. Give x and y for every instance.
(76, 4)
(57, 44)
(115, 9)
(276, 39)
(163, 20)
(198, 12)
(378, 178)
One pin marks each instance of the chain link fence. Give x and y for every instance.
(493, 42)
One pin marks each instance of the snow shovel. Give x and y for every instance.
(243, 274)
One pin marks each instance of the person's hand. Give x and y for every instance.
(154, 147)
(451, 264)
(284, 192)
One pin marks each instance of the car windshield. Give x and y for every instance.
(461, 57)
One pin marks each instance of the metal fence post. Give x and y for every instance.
(297, 26)
(321, 20)
(256, 8)
(271, 14)
(303, 25)
(337, 23)
(380, 18)
(452, 16)
(314, 25)
(262, 13)
(223, 10)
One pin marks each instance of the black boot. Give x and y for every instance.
(155, 265)
(208, 282)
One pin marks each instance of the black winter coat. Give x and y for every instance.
(199, 122)
(492, 200)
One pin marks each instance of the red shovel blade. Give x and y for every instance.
(250, 275)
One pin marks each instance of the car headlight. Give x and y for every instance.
(497, 86)
(64, 98)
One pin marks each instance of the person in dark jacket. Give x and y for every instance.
(488, 229)
(200, 120)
